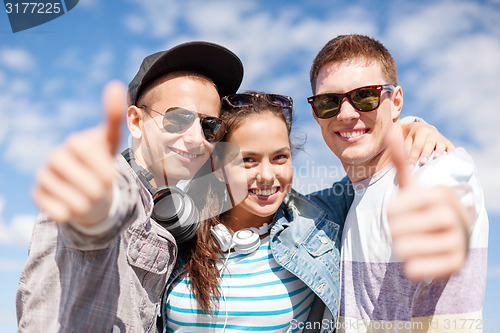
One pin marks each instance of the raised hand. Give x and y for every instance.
(77, 182)
(429, 226)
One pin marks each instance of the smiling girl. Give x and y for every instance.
(271, 263)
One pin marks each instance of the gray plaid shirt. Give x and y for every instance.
(111, 282)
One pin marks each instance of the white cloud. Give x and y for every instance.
(29, 134)
(416, 29)
(135, 24)
(27, 151)
(16, 59)
(264, 40)
(95, 68)
(52, 87)
(4, 125)
(70, 59)
(100, 66)
(17, 232)
(20, 87)
(70, 112)
(463, 89)
(30, 128)
(160, 17)
(454, 51)
(465, 76)
(270, 40)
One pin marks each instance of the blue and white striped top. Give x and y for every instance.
(258, 295)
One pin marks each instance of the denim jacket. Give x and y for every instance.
(305, 240)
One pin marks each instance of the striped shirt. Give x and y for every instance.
(258, 295)
(376, 296)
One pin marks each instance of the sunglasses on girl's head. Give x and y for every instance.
(363, 99)
(242, 100)
(177, 120)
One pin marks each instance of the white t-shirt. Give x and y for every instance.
(376, 296)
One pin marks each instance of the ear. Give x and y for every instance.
(134, 121)
(397, 102)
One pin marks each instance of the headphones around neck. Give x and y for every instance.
(243, 241)
(173, 209)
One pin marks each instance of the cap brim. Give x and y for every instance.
(217, 63)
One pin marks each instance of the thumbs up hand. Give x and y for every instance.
(429, 226)
(114, 104)
(77, 182)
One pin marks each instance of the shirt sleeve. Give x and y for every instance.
(128, 197)
(457, 170)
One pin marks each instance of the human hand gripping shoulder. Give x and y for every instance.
(76, 185)
(431, 220)
(423, 140)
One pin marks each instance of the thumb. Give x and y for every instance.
(114, 106)
(398, 155)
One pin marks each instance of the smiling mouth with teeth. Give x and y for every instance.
(264, 192)
(185, 154)
(351, 134)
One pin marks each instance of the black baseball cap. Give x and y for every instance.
(215, 62)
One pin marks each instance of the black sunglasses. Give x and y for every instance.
(177, 120)
(363, 99)
(242, 100)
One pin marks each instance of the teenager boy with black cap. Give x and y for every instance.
(97, 262)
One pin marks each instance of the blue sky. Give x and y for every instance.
(51, 77)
